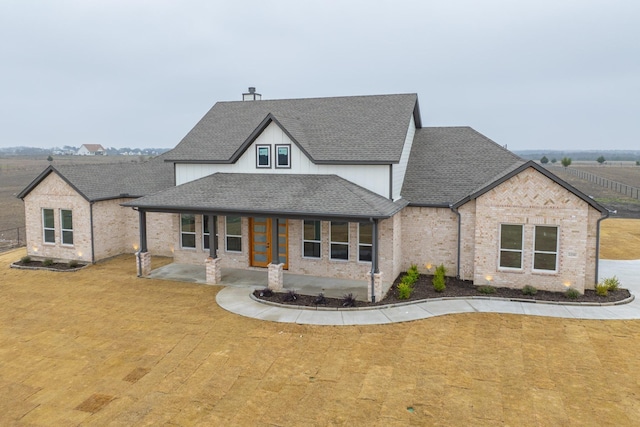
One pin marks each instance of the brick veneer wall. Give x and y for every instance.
(531, 199)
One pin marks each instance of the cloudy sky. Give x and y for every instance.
(561, 74)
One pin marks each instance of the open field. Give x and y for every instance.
(101, 347)
(629, 175)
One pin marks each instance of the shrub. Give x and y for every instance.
(47, 262)
(544, 160)
(73, 263)
(602, 289)
(439, 279)
(266, 292)
(291, 296)
(572, 293)
(349, 300)
(529, 290)
(25, 259)
(404, 290)
(320, 299)
(612, 283)
(487, 289)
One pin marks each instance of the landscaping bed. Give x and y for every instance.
(49, 265)
(423, 290)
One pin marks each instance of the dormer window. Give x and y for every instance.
(283, 158)
(263, 156)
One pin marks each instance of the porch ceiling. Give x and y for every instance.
(317, 196)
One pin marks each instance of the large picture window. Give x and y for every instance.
(188, 231)
(511, 246)
(233, 233)
(311, 239)
(66, 225)
(365, 241)
(48, 226)
(263, 156)
(283, 158)
(545, 252)
(340, 240)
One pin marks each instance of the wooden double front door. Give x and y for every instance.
(261, 238)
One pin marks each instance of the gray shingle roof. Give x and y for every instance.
(280, 194)
(114, 180)
(449, 163)
(330, 130)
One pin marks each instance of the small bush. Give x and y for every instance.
(404, 290)
(25, 259)
(439, 279)
(320, 299)
(572, 293)
(529, 290)
(612, 283)
(266, 292)
(47, 262)
(602, 289)
(73, 263)
(487, 289)
(290, 296)
(441, 270)
(349, 300)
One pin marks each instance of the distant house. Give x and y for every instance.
(91, 150)
(346, 187)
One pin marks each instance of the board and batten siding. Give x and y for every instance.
(399, 170)
(371, 177)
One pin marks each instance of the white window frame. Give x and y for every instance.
(360, 244)
(319, 241)
(347, 243)
(258, 165)
(556, 253)
(45, 228)
(277, 156)
(206, 233)
(521, 251)
(67, 230)
(227, 235)
(192, 233)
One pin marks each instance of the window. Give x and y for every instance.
(365, 241)
(263, 156)
(205, 231)
(511, 246)
(188, 231)
(282, 156)
(340, 240)
(48, 226)
(66, 222)
(311, 239)
(545, 248)
(233, 231)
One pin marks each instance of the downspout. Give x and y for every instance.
(93, 250)
(605, 216)
(455, 211)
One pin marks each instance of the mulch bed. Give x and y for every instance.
(39, 265)
(423, 289)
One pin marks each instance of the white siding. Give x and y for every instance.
(372, 177)
(400, 169)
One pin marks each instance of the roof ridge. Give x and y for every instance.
(323, 97)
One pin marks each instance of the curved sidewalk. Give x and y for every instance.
(238, 300)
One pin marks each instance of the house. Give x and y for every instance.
(346, 187)
(91, 150)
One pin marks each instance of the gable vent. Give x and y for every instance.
(251, 95)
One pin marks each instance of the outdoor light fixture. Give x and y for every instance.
(567, 284)
(35, 249)
(428, 266)
(488, 279)
(135, 247)
(79, 254)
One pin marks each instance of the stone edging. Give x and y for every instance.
(56, 270)
(400, 304)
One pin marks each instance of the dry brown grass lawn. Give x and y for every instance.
(101, 347)
(620, 239)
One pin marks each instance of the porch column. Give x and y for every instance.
(143, 257)
(213, 236)
(276, 269)
(375, 288)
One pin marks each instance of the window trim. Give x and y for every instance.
(347, 243)
(227, 235)
(277, 156)
(258, 147)
(182, 233)
(44, 228)
(63, 230)
(556, 253)
(370, 245)
(319, 241)
(521, 251)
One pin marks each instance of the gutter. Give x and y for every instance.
(603, 217)
(455, 211)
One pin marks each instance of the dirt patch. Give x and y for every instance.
(423, 290)
(94, 403)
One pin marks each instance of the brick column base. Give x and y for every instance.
(276, 277)
(143, 263)
(214, 271)
(377, 285)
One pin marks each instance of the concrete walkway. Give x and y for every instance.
(237, 300)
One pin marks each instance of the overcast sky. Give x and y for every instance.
(560, 74)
